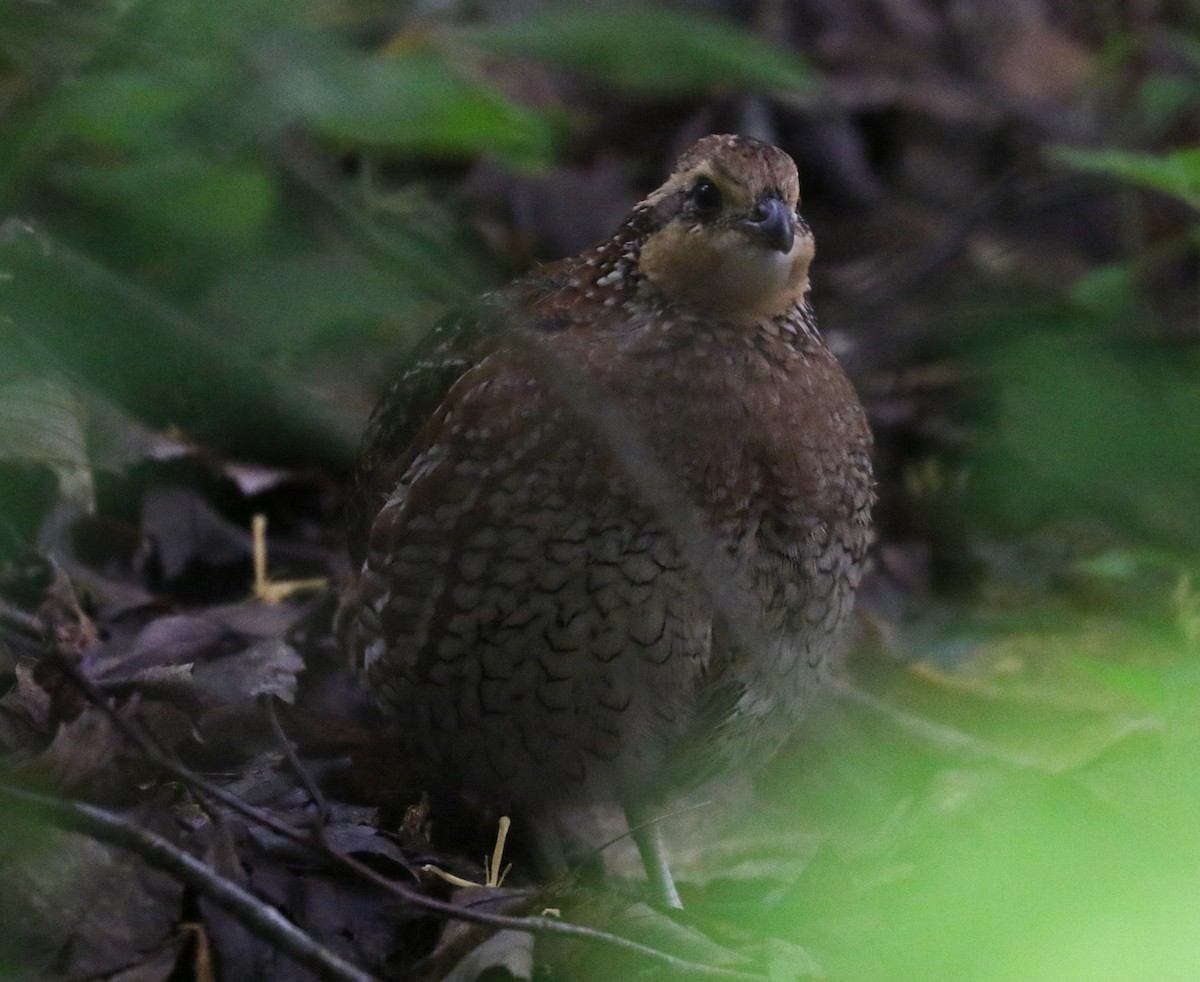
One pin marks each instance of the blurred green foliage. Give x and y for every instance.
(1097, 392)
(1087, 422)
(1031, 815)
(1176, 172)
(24, 842)
(192, 197)
(646, 50)
(191, 214)
(1080, 868)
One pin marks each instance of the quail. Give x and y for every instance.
(611, 521)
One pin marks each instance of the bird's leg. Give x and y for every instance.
(647, 834)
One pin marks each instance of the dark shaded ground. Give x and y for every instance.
(1005, 786)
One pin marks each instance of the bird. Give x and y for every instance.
(610, 521)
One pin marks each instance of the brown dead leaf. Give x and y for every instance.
(175, 641)
(267, 667)
(257, 620)
(73, 632)
(25, 715)
(160, 965)
(196, 663)
(253, 478)
(109, 598)
(80, 754)
(459, 939)
(349, 917)
(185, 529)
(361, 838)
(506, 954)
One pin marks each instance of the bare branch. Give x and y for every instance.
(532, 925)
(259, 917)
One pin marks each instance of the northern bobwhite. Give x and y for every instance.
(612, 519)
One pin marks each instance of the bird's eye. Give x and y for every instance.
(707, 197)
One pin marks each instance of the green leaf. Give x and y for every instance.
(1106, 290)
(123, 109)
(41, 422)
(152, 359)
(1174, 686)
(646, 50)
(196, 197)
(283, 302)
(1176, 173)
(788, 962)
(1161, 98)
(415, 102)
(1124, 563)
(1084, 428)
(1184, 43)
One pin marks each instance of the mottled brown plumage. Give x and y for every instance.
(613, 518)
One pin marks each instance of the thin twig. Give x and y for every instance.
(17, 619)
(267, 702)
(185, 774)
(548, 925)
(260, 918)
(645, 824)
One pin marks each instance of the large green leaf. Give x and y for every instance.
(156, 361)
(128, 109)
(41, 422)
(1176, 173)
(414, 102)
(196, 197)
(645, 50)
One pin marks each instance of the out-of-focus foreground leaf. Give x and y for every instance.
(1083, 426)
(171, 160)
(156, 360)
(645, 49)
(41, 422)
(412, 102)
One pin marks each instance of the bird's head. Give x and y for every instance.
(725, 237)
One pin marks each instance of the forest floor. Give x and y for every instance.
(1001, 782)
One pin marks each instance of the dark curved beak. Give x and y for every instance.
(772, 224)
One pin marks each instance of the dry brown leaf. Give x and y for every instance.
(186, 529)
(82, 751)
(506, 954)
(267, 667)
(25, 715)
